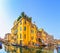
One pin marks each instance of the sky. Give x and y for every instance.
(45, 14)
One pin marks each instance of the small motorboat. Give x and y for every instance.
(58, 48)
(13, 44)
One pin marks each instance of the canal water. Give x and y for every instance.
(14, 49)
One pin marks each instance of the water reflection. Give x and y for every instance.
(13, 49)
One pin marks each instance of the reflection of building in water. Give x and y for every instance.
(12, 49)
(48, 50)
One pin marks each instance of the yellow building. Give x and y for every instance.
(43, 35)
(14, 31)
(24, 32)
(7, 37)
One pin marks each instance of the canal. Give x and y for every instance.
(14, 49)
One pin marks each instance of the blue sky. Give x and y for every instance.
(45, 13)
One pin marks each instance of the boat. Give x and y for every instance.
(13, 44)
(0, 45)
(58, 48)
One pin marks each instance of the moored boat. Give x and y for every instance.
(58, 48)
(0, 45)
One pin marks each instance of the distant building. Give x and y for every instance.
(43, 35)
(50, 39)
(57, 41)
(39, 38)
(7, 37)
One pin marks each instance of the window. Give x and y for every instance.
(32, 38)
(17, 36)
(25, 21)
(20, 28)
(32, 43)
(25, 28)
(21, 42)
(24, 36)
(12, 37)
(15, 32)
(20, 22)
(32, 31)
(20, 35)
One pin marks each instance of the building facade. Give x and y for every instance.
(7, 37)
(24, 32)
(39, 38)
(43, 35)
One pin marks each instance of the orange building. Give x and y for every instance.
(39, 40)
